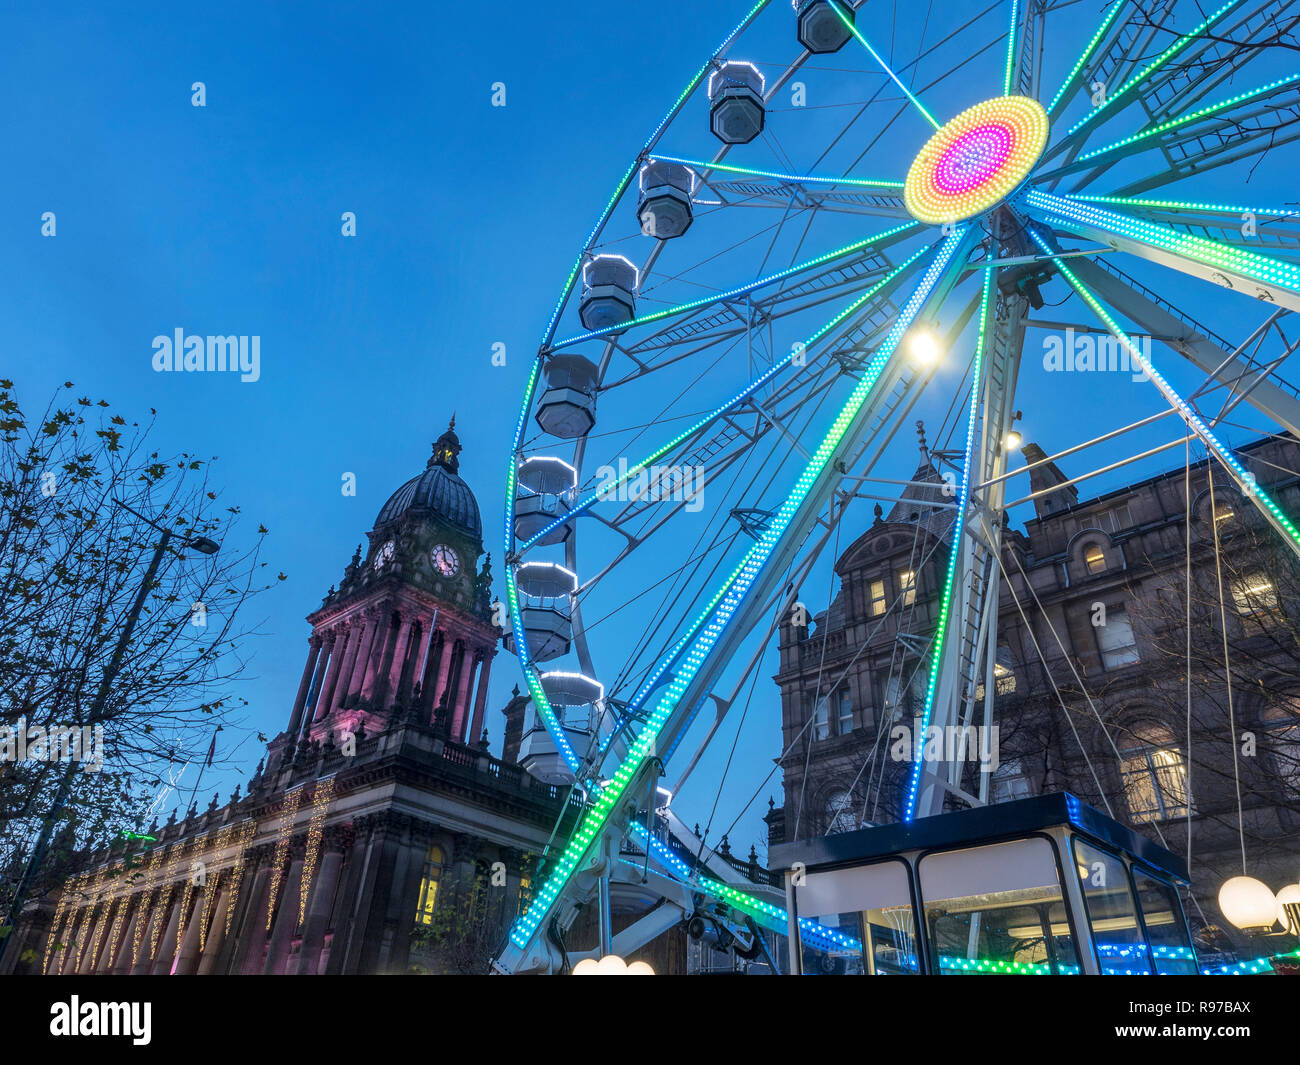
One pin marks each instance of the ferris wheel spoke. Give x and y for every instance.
(857, 33)
(1256, 275)
(1110, 50)
(1274, 228)
(857, 247)
(801, 179)
(1202, 139)
(714, 632)
(1112, 102)
(1244, 479)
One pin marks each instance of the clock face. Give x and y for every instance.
(444, 560)
(384, 555)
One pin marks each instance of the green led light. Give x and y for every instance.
(1184, 205)
(1179, 44)
(1011, 49)
(1115, 8)
(853, 29)
(1204, 112)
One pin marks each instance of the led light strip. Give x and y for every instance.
(883, 65)
(1115, 8)
(1182, 42)
(945, 608)
(1011, 48)
(1245, 479)
(741, 290)
(798, 178)
(1204, 112)
(713, 620)
(1182, 205)
(1197, 249)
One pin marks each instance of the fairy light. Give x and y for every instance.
(691, 652)
(145, 910)
(194, 851)
(1115, 8)
(95, 892)
(115, 931)
(1245, 479)
(168, 889)
(210, 883)
(801, 179)
(963, 491)
(976, 160)
(1251, 967)
(108, 895)
(742, 290)
(237, 871)
(320, 804)
(1192, 116)
(62, 913)
(1008, 77)
(288, 814)
(1201, 250)
(1178, 45)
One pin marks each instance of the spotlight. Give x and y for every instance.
(1013, 440)
(924, 345)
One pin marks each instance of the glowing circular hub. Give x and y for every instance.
(976, 160)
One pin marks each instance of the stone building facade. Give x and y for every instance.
(378, 835)
(1093, 617)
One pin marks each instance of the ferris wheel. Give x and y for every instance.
(757, 312)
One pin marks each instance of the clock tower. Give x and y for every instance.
(408, 630)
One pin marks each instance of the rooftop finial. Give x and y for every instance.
(920, 434)
(446, 449)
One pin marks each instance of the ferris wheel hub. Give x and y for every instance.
(975, 161)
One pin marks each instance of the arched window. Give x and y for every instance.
(839, 812)
(1155, 775)
(1094, 558)
(428, 898)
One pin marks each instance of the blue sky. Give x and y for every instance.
(226, 219)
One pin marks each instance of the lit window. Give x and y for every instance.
(877, 598)
(1254, 594)
(1115, 639)
(1223, 512)
(845, 723)
(428, 898)
(1094, 558)
(907, 586)
(822, 720)
(525, 893)
(1155, 776)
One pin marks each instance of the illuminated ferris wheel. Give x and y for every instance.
(747, 327)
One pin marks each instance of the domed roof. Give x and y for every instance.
(438, 491)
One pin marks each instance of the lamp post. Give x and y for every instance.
(198, 543)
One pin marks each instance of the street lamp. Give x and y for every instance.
(198, 543)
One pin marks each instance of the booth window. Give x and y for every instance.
(1171, 946)
(871, 909)
(997, 909)
(1112, 914)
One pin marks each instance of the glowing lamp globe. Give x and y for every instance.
(611, 965)
(1288, 896)
(1248, 903)
(640, 968)
(976, 161)
(586, 967)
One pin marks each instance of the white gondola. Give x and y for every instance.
(567, 408)
(544, 603)
(663, 207)
(609, 285)
(546, 486)
(577, 701)
(736, 110)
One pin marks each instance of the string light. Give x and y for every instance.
(975, 161)
(191, 854)
(115, 931)
(237, 870)
(288, 814)
(1115, 8)
(320, 804)
(146, 904)
(62, 913)
(168, 889)
(210, 884)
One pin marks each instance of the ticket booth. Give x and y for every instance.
(1044, 886)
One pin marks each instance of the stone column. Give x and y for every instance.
(352, 642)
(149, 917)
(337, 644)
(386, 692)
(440, 693)
(216, 932)
(468, 669)
(480, 700)
(187, 959)
(162, 964)
(319, 905)
(122, 964)
(343, 917)
(357, 667)
(410, 660)
(286, 916)
(304, 686)
(386, 632)
(244, 947)
(433, 660)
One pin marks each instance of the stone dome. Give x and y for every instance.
(438, 492)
